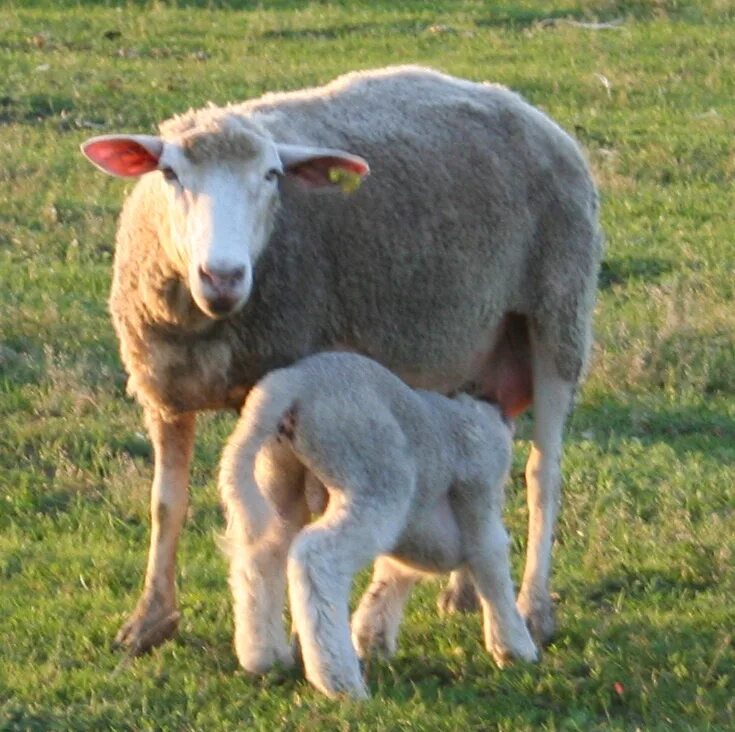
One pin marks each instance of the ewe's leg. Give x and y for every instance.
(155, 619)
(322, 562)
(261, 490)
(551, 403)
(378, 617)
(506, 634)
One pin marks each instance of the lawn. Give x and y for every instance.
(645, 551)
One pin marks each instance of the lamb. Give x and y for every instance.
(466, 260)
(410, 475)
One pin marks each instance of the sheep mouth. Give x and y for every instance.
(221, 306)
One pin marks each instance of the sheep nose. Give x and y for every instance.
(222, 278)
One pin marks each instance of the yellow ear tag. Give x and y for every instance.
(347, 180)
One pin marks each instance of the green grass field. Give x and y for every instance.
(645, 551)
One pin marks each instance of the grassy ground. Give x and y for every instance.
(644, 560)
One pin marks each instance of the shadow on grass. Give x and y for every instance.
(33, 108)
(641, 583)
(626, 269)
(242, 5)
(610, 418)
(338, 31)
(514, 17)
(605, 687)
(173, 4)
(509, 16)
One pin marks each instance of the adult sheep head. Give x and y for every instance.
(220, 187)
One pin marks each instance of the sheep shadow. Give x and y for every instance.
(622, 270)
(604, 419)
(611, 684)
(206, 4)
(508, 16)
(512, 17)
(338, 31)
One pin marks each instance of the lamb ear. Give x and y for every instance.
(323, 167)
(125, 156)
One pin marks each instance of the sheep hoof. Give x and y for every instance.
(539, 616)
(148, 627)
(458, 597)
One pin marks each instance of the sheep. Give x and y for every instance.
(467, 259)
(412, 476)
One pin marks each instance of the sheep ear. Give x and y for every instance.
(323, 167)
(125, 156)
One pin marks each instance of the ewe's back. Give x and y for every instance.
(377, 104)
(447, 233)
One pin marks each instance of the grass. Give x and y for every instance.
(644, 559)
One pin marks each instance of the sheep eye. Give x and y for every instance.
(272, 174)
(170, 175)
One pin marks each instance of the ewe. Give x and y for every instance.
(467, 260)
(409, 474)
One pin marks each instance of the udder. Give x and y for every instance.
(505, 373)
(500, 370)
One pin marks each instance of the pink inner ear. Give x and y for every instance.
(316, 170)
(355, 166)
(123, 157)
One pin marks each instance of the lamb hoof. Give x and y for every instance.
(359, 693)
(373, 643)
(150, 625)
(505, 657)
(539, 616)
(342, 688)
(259, 660)
(458, 597)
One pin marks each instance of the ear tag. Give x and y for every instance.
(347, 180)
